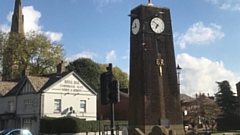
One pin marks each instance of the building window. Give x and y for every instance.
(27, 123)
(82, 105)
(28, 105)
(10, 106)
(57, 105)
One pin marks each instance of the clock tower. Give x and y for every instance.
(154, 90)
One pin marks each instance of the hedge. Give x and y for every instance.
(70, 124)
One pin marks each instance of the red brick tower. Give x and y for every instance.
(154, 91)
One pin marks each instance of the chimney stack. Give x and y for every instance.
(61, 67)
(25, 71)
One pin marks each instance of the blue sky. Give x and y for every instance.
(206, 34)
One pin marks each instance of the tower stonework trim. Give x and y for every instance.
(153, 93)
(18, 18)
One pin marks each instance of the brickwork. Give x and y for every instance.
(154, 92)
(120, 109)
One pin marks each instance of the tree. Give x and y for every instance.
(226, 99)
(118, 74)
(229, 105)
(90, 72)
(208, 110)
(44, 55)
(32, 51)
(2, 46)
(13, 55)
(202, 111)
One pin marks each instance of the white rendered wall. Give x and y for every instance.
(70, 91)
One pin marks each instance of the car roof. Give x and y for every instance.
(13, 129)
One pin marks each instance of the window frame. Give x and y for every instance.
(83, 106)
(28, 106)
(57, 105)
(11, 106)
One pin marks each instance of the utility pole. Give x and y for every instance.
(109, 93)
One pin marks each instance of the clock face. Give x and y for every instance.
(157, 25)
(135, 26)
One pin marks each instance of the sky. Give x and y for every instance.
(206, 34)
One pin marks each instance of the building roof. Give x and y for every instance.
(39, 83)
(6, 86)
(36, 81)
(185, 98)
(53, 78)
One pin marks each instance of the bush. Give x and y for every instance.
(45, 125)
(75, 125)
(61, 125)
(228, 123)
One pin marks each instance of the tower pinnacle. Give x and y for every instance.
(18, 18)
(150, 2)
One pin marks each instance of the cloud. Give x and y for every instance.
(111, 56)
(232, 5)
(31, 19)
(200, 35)
(4, 28)
(126, 57)
(107, 1)
(31, 23)
(199, 75)
(213, 1)
(9, 16)
(83, 54)
(54, 36)
(102, 3)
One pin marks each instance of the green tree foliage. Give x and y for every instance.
(13, 55)
(2, 46)
(225, 98)
(88, 70)
(122, 77)
(118, 74)
(229, 119)
(44, 55)
(33, 51)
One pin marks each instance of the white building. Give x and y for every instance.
(24, 103)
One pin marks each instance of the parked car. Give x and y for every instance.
(18, 131)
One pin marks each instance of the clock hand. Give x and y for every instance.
(154, 22)
(156, 26)
(135, 26)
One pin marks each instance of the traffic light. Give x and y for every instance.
(105, 80)
(109, 87)
(114, 95)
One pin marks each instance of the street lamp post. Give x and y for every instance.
(178, 69)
